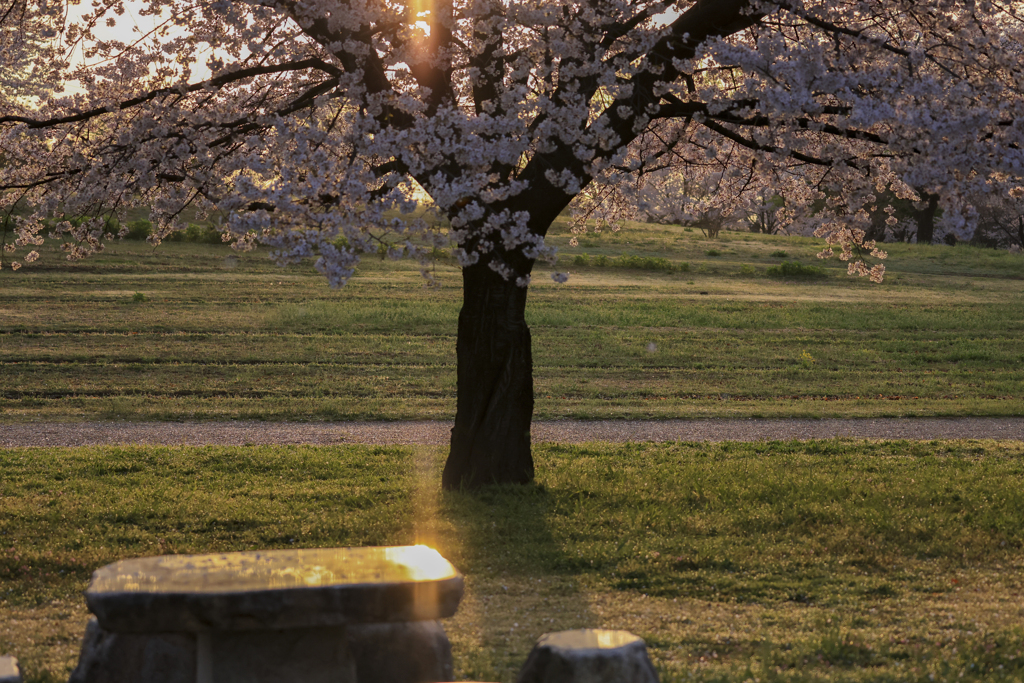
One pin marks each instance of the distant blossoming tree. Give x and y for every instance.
(30, 57)
(1001, 217)
(310, 123)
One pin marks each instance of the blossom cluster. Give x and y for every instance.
(320, 128)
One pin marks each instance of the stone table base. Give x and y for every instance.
(365, 653)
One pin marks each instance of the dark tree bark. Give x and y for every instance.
(925, 218)
(491, 438)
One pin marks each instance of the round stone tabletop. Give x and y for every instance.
(274, 589)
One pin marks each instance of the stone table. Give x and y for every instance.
(269, 616)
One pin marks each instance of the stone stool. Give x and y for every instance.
(315, 615)
(9, 672)
(588, 656)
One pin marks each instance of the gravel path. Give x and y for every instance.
(566, 431)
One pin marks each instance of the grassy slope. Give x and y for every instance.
(222, 337)
(828, 560)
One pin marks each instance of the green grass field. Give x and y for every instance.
(775, 561)
(818, 561)
(194, 331)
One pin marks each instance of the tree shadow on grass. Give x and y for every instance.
(503, 528)
(500, 538)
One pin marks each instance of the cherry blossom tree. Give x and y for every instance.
(1001, 216)
(31, 64)
(312, 124)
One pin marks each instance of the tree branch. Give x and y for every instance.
(758, 147)
(216, 82)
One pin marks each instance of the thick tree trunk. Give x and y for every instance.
(491, 438)
(926, 218)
